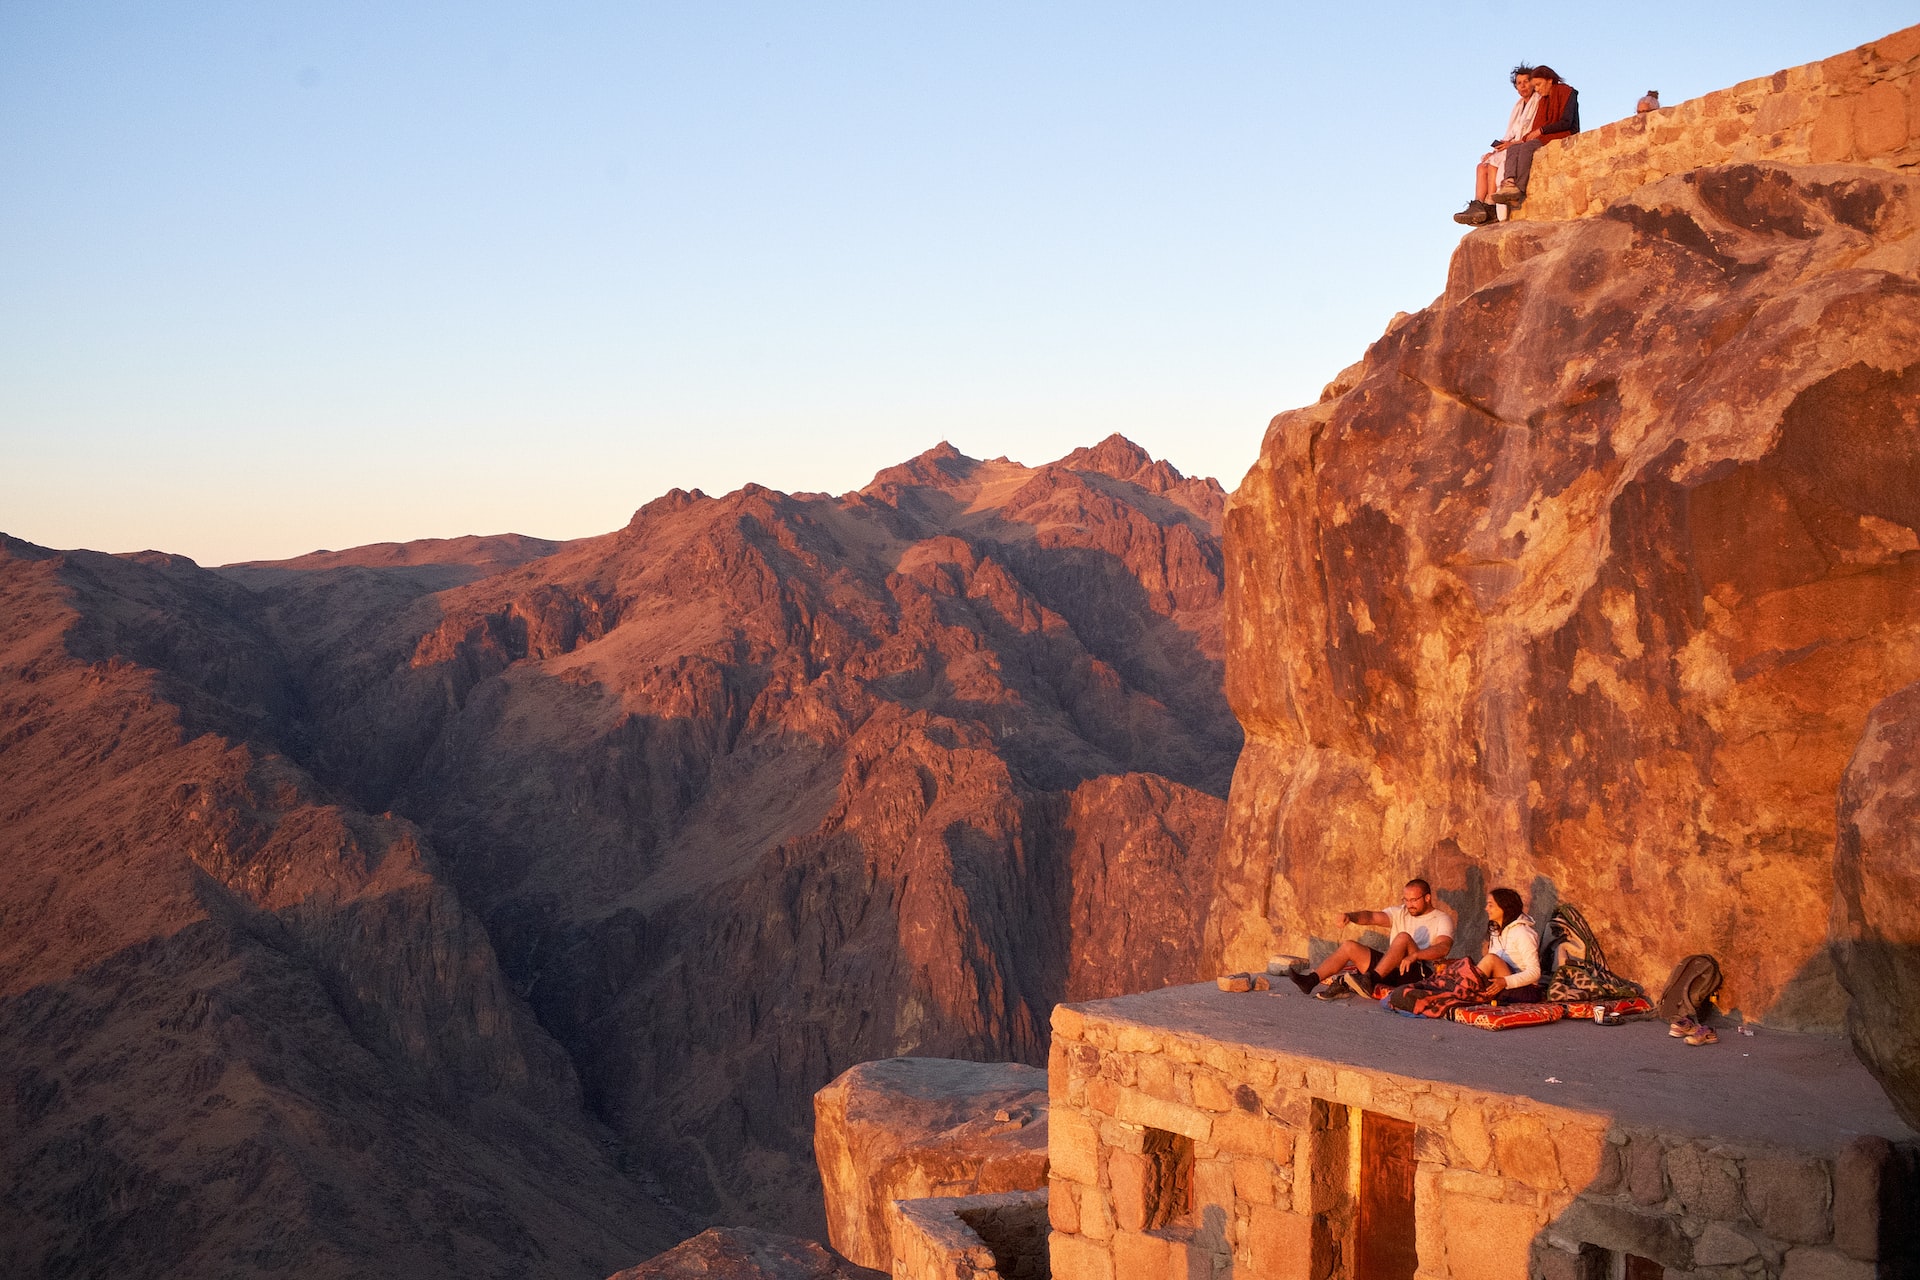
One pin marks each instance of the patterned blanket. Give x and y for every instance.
(1453, 985)
(1582, 973)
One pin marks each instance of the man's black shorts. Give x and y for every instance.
(1414, 972)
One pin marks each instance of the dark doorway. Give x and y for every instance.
(1383, 1233)
(1639, 1268)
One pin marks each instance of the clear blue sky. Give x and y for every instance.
(283, 276)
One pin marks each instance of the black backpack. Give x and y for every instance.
(1693, 983)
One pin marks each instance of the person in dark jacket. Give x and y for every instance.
(1558, 116)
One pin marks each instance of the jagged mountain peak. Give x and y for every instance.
(1115, 456)
(941, 467)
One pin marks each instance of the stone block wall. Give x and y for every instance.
(1858, 107)
(1504, 1187)
(985, 1237)
(1706, 1209)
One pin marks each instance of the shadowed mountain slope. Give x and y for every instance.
(661, 831)
(246, 1027)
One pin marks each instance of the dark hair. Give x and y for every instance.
(1547, 73)
(1511, 908)
(1418, 883)
(1522, 70)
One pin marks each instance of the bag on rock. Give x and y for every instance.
(1693, 983)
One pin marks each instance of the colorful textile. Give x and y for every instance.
(1581, 973)
(1454, 985)
(1583, 1009)
(1500, 1017)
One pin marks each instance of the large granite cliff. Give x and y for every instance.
(1585, 581)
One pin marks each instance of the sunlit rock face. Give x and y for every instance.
(1876, 910)
(1585, 580)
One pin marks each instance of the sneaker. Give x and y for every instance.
(1335, 990)
(1702, 1034)
(1306, 980)
(1362, 983)
(1682, 1028)
(1474, 215)
(1509, 193)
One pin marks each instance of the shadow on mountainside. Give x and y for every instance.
(237, 1097)
(746, 793)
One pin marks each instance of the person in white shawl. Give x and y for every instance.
(1492, 168)
(1512, 961)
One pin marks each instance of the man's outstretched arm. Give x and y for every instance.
(1365, 917)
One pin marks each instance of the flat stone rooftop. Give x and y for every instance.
(1775, 1088)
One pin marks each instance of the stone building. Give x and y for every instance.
(1266, 1136)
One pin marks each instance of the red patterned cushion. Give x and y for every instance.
(1583, 1009)
(1499, 1017)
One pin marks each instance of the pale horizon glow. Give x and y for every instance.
(312, 276)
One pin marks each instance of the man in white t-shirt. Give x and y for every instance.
(1419, 931)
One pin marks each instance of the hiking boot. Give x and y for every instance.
(1702, 1034)
(1682, 1028)
(1475, 214)
(1335, 990)
(1362, 983)
(1306, 980)
(1509, 193)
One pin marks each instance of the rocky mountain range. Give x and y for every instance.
(495, 906)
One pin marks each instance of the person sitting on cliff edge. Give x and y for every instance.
(1557, 116)
(1492, 166)
(1419, 931)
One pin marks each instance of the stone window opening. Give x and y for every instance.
(1596, 1263)
(1169, 1179)
(1014, 1229)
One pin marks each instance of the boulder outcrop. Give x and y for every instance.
(1587, 580)
(742, 1253)
(919, 1128)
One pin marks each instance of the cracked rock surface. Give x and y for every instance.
(1585, 581)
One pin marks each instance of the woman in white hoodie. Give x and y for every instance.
(1512, 962)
